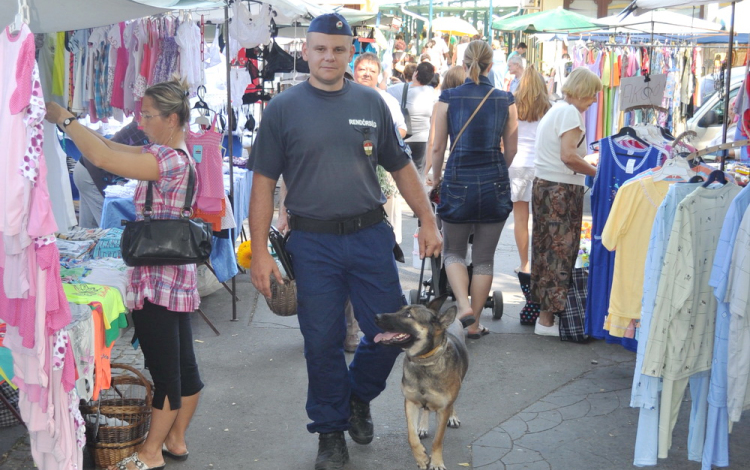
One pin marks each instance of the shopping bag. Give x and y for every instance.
(572, 319)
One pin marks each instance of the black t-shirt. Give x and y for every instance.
(318, 140)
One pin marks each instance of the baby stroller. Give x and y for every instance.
(438, 284)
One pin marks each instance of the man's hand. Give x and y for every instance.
(261, 269)
(430, 240)
(282, 222)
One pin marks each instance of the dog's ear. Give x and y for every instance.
(437, 303)
(448, 317)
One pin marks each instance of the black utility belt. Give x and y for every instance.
(337, 227)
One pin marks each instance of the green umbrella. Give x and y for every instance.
(550, 20)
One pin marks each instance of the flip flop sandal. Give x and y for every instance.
(178, 457)
(123, 464)
(482, 332)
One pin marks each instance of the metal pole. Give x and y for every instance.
(727, 87)
(229, 145)
(488, 27)
(429, 26)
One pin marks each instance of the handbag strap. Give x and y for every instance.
(187, 209)
(404, 93)
(455, 141)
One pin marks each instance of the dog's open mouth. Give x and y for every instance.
(392, 338)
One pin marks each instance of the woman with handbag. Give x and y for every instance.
(161, 296)
(475, 191)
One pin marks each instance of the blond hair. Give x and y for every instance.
(455, 76)
(532, 97)
(171, 98)
(477, 59)
(582, 83)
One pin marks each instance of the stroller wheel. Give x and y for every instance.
(497, 305)
(413, 297)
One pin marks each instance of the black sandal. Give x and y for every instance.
(483, 330)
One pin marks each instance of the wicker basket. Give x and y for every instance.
(283, 300)
(127, 405)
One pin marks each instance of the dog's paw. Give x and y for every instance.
(422, 464)
(423, 460)
(422, 433)
(436, 466)
(453, 422)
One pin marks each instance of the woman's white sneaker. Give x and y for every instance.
(542, 330)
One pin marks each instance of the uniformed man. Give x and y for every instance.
(326, 136)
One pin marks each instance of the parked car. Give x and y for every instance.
(708, 120)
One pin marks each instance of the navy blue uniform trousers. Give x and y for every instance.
(329, 269)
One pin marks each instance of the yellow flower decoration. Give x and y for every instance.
(245, 254)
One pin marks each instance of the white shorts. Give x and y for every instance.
(521, 182)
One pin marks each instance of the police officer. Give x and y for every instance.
(326, 136)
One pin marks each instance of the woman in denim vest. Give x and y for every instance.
(475, 190)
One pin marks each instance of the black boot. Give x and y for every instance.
(332, 453)
(360, 421)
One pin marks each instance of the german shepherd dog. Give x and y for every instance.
(435, 364)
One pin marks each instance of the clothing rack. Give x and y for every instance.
(724, 146)
(229, 146)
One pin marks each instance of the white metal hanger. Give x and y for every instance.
(676, 166)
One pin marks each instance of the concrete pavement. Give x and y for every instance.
(528, 402)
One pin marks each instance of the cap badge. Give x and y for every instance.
(339, 25)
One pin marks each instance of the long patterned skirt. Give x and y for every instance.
(557, 210)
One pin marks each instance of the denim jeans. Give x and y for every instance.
(329, 269)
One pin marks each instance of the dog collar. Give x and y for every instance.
(431, 353)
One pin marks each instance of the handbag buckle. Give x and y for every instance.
(187, 213)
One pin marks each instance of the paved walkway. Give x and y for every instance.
(528, 402)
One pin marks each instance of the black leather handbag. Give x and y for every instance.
(165, 242)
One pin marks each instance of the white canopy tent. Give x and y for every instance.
(659, 22)
(51, 16)
(641, 6)
(742, 11)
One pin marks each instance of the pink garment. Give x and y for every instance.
(141, 81)
(58, 311)
(20, 98)
(41, 218)
(19, 312)
(23, 313)
(155, 51)
(53, 428)
(118, 91)
(15, 190)
(209, 170)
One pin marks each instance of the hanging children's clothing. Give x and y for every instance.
(42, 353)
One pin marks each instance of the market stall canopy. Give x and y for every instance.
(50, 16)
(660, 22)
(453, 25)
(742, 11)
(181, 4)
(640, 6)
(550, 20)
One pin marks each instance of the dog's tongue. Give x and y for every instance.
(384, 336)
